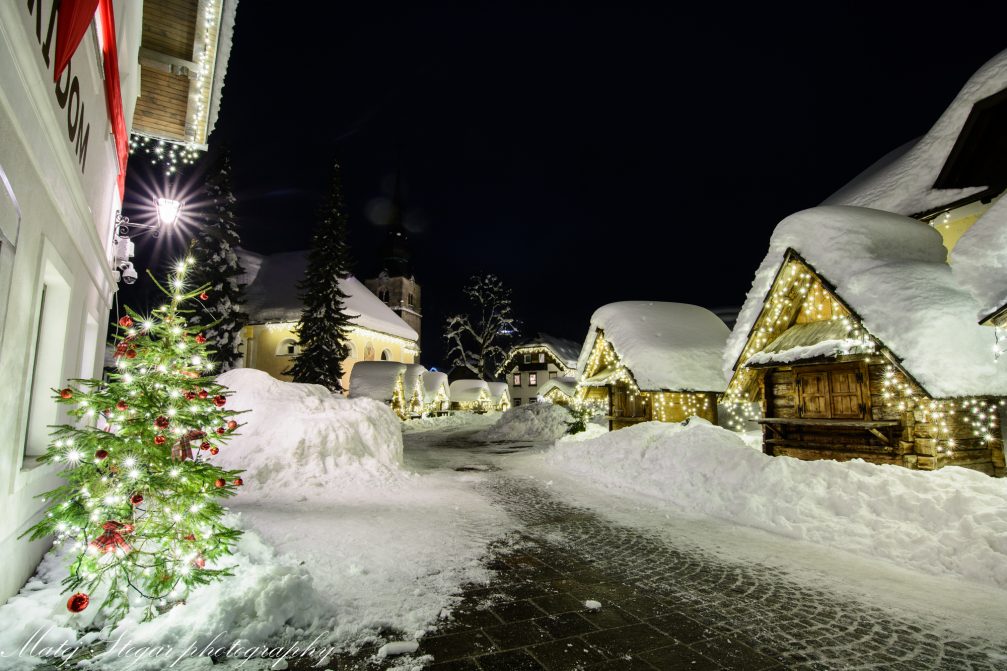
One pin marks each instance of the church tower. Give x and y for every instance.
(396, 284)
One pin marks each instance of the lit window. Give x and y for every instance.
(517, 379)
(541, 357)
(532, 379)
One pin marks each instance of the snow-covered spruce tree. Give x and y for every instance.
(323, 330)
(216, 265)
(141, 508)
(477, 340)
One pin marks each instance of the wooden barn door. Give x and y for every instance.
(833, 393)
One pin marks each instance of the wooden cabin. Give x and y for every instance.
(499, 396)
(560, 390)
(470, 396)
(857, 343)
(650, 361)
(436, 393)
(382, 381)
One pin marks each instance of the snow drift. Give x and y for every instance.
(536, 421)
(301, 439)
(949, 521)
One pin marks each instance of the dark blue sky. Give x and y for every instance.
(648, 151)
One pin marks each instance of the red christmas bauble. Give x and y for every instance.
(203, 296)
(221, 430)
(219, 482)
(199, 562)
(190, 537)
(201, 338)
(232, 425)
(101, 455)
(219, 401)
(190, 395)
(203, 393)
(214, 450)
(136, 499)
(204, 445)
(131, 354)
(161, 422)
(66, 393)
(78, 602)
(125, 321)
(121, 405)
(238, 482)
(159, 440)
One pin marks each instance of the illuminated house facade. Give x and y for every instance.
(268, 341)
(532, 363)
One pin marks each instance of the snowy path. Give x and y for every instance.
(682, 592)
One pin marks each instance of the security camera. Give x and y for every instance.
(128, 272)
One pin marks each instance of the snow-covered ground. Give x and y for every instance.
(455, 420)
(949, 522)
(341, 543)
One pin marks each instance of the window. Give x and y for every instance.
(527, 358)
(532, 379)
(411, 304)
(552, 374)
(533, 399)
(517, 402)
(351, 351)
(541, 357)
(288, 347)
(383, 295)
(386, 355)
(834, 393)
(369, 352)
(517, 379)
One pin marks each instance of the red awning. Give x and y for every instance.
(71, 23)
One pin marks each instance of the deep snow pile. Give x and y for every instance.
(949, 521)
(535, 421)
(300, 440)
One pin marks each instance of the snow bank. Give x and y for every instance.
(266, 599)
(979, 260)
(903, 181)
(669, 346)
(301, 440)
(456, 420)
(891, 270)
(950, 521)
(535, 421)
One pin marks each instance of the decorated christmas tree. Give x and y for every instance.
(323, 330)
(216, 265)
(141, 507)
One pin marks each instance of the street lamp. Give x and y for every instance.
(167, 209)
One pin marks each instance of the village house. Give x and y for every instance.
(500, 400)
(533, 362)
(650, 361)
(858, 343)
(436, 393)
(381, 381)
(273, 308)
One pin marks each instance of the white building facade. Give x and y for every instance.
(63, 144)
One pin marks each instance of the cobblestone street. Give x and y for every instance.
(665, 607)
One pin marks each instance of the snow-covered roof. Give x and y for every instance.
(498, 391)
(566, 350)
(891, 271)
(566, 385)
(903, 180)
(433, 383)
(666, 346)
(979, 260)
(466, 391)
(812, 340)
(250, 263)
(375, 379)
(225, 35)
(273, 297)
(412, 379)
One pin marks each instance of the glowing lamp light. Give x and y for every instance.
(167, 210)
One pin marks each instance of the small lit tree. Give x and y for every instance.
(141, 505)
(477, 340)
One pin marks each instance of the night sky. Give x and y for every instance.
(646, 152)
